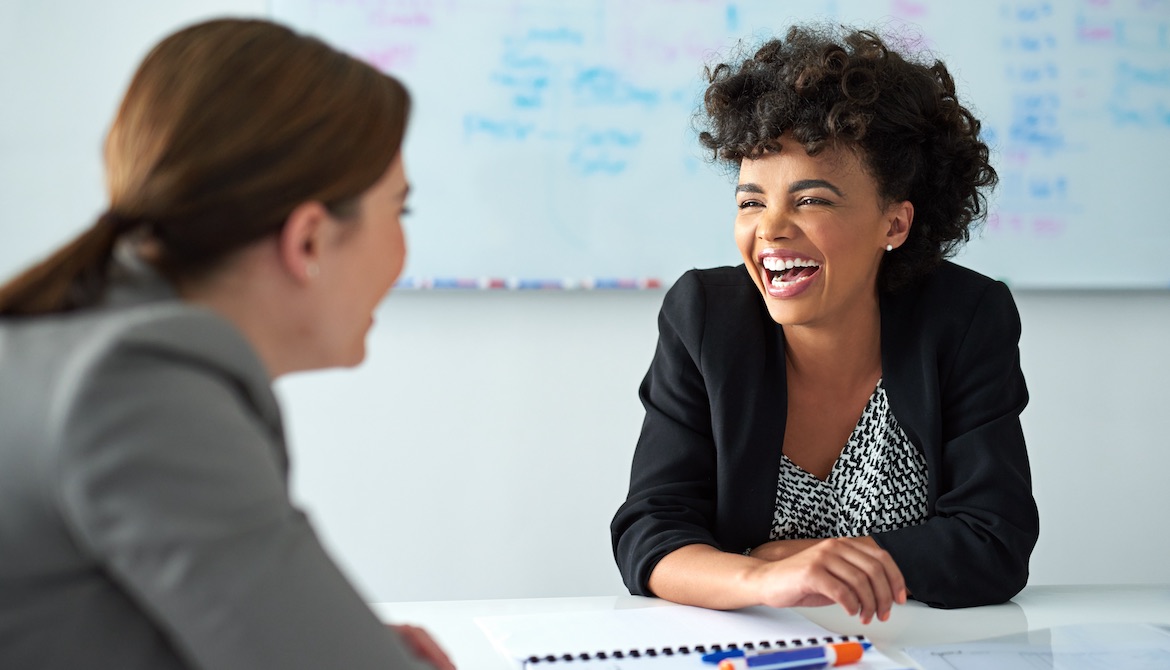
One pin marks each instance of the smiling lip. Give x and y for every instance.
(772, 262)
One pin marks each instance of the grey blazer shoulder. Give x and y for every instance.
(145, 520)
(706, 464)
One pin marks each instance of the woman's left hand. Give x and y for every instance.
(779, 550)
(852, 571)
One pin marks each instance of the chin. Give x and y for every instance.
(785, 314)
(780, 315)
(355, 360)
(347, 359)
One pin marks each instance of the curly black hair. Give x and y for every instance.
(834, 86)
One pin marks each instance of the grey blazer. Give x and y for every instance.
(145, 519)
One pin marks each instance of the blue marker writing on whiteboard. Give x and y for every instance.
(542, 284)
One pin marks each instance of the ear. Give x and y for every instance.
(899, 217)
(301, 241)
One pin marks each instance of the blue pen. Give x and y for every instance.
(840, 653)
(714, 657)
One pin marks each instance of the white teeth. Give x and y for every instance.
(777, 264)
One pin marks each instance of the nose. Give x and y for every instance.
(776, 225)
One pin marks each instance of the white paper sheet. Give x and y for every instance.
(1106, 646)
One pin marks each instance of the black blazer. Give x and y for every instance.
(707, 463)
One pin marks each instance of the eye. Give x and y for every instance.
(750, 203)
(809, 200)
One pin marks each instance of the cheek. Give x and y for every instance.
(399, 255)
(745, 239)
(393, 252)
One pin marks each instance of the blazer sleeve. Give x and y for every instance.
(974, 548)
(174, 486)
(671, 499)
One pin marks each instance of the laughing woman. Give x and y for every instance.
(837, 419)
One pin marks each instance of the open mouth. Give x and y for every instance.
(785, 272)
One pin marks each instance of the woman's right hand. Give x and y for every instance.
(424, 646)
(851, 571)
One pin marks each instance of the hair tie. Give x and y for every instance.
(118, 224)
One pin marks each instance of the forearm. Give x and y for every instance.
(704, 576)
(777, 550)
(853, 572)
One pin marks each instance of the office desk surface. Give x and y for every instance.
(452, 622)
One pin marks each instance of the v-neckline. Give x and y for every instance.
(849, 443)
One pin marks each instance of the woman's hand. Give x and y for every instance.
(424, 646)
(851, 571)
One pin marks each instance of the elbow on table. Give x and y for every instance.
(993, 583)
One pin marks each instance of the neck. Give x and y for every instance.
(251, 295)
(839, 356)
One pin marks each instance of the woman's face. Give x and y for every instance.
(367, 252)
(812, 231)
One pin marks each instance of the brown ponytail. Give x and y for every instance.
(72, 277)
(225, 128)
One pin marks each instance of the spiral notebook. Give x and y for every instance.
(658, 637)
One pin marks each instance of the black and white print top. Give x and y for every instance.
(877, 484)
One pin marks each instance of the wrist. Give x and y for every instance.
(778, 550)
(746, 587)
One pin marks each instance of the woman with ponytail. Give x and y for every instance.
(255, 187)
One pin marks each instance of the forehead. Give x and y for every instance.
(792, 162)
(395, 175)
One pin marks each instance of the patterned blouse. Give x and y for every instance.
(877, 484)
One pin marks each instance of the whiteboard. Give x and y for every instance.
(551, 142)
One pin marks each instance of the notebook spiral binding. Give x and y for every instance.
(699, 649)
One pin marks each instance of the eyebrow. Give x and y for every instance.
(805, 184)
(796, 186)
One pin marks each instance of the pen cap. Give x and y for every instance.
(847, 652)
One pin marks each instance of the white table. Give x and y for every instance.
(452, 622)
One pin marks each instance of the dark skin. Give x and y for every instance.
(822, 413)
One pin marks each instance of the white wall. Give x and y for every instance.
(64, 65)
(482, 448)
(520, 411)
(484, 445)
